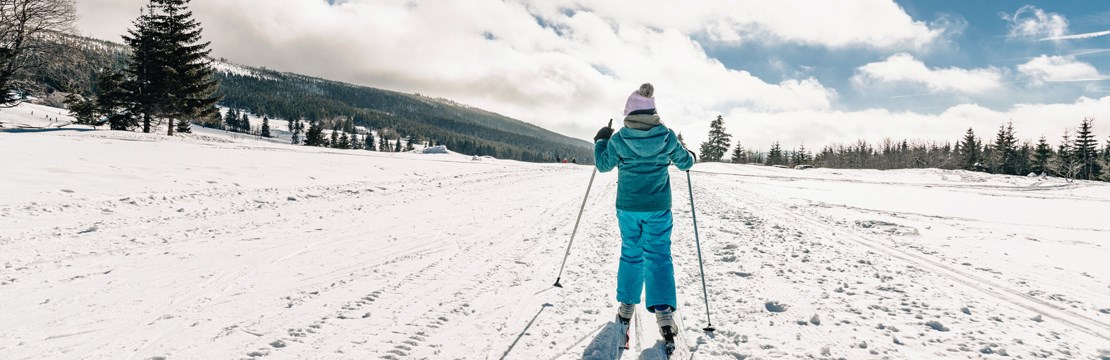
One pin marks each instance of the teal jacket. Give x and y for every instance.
(642, 158)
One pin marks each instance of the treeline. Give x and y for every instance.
(1078, 154)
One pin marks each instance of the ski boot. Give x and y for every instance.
(664, 316)
(624, 317)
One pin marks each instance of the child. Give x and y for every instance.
(641, 152)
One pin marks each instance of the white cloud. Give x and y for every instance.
(1078, 36)
(1031, 22)
(757, 130)
(903, 68)
(1045, 68)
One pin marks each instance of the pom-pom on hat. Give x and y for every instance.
(641, 99)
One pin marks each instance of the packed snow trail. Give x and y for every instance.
(117, 245)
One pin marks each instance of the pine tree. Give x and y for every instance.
(1005, 151)
(334, 135)
(1086, 151)
(145, 97)
(369, 141)
(265, 127)
(231, 120)
(719, 141)
(296, 137)
(1041, 155)
(408, 144)
(739, 156)
(1065, 159)
(83, 110)
(315, 135)
(188, 81)
(183, 126)
(111, 101)
(245, 124)
(775, 155)
(168, 74)
(383, 145)
(398, 147)
(970, 151)
(343, 142)
(682, 141)
(1106, 151)
(803, 156)
(356, 143)
(298, 132)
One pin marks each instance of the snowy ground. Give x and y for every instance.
(121, 245)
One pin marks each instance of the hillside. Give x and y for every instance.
(282, 95)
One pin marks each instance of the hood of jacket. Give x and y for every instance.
(645, 143)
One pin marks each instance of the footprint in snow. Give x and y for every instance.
(775, 306)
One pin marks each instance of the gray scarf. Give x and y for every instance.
(642, 122)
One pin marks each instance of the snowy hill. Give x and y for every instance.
(126, 245)
(283, 95)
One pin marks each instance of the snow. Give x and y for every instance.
(439, 149)
(233, 69)
(211, 245)
(28, 115)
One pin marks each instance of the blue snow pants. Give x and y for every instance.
(646, 259)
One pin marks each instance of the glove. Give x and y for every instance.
(604, 134)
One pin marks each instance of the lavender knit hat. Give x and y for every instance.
(642, 99)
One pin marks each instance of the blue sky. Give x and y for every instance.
(984, 42)
(795, 71)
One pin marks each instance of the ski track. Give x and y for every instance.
(455, 259)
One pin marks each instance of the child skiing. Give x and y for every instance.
(642, 151)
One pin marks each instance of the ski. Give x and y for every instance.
(668, 341)
(623, 339)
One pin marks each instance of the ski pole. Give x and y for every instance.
(575, 231)
(697, 241)
(572, 233)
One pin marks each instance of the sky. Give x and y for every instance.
(799, 72)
